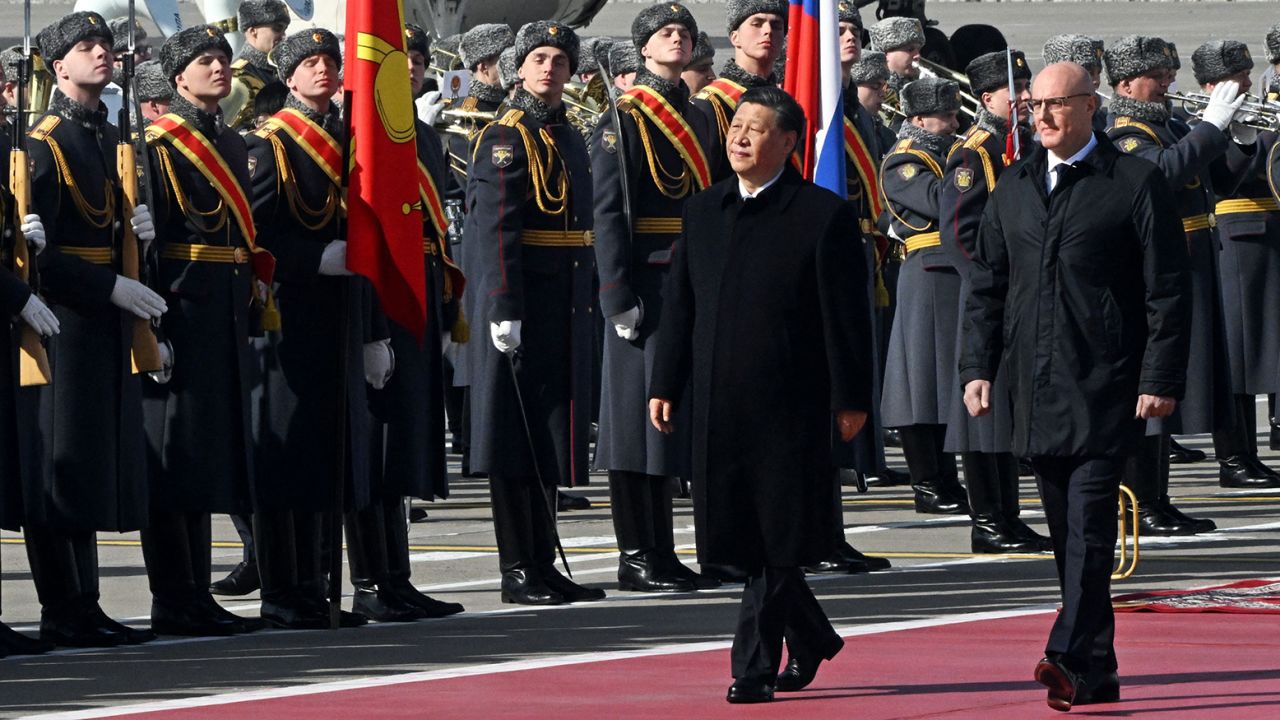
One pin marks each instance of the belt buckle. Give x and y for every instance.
(240, 255)
(1213, 220)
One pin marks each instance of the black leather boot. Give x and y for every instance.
(525, 586)
(571, 591)
(1180, 455)
(643, 572)
(382, 604)
(1243, 471)
(922, 447)
(13, 642)
(1010, 506)
(242, 580)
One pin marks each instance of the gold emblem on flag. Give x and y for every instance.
(502, 155)
(964, 179)
(390, 85)
(907, 171)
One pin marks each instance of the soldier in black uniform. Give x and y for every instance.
(531, 266)
(1271, 85)
(973, 168)
(1249, 269)
(758, 33)
(701, 70)
(294, 164)
(407, 442)
(264, 23)
(656, 143)
(201, 452)
(900, 39)
(920, 370)
(624, 62)
(94, 462)
(1086, 52)
(152, 89)
(1139, 120)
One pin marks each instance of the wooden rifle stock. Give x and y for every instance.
(146, 349)
(33, 361)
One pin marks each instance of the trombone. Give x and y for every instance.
(1256, 112)
(969, 103)
(1128, 514)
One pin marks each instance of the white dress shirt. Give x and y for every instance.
(742, 189)
(1055, 162)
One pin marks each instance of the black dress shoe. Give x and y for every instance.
(888, 477)
(1273, 441)
(746, 690)
(566, 502)
(892, 438)
(1180, 455)
(188, 619)
(417, 515)
(571, 591)
(932, 501)
(1098, 688)
(242, 624)
(78, 632)
(644, 572)
(429, 606)
(1024, 468)
(240, 581)
(1243, 471)
(850, 477)
(724, 573)
(673, 567)
(382, 604)
(1061, 681)
(293, 614)
(796, 675)
(13, 642)
(1201, 525)
(871, 562)
(1024, 531)
(131, 635)
(526, 587)
(1155, 521)
(836, 565)
(994, 536)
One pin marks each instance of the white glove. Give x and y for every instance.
(505, 335)
(627, 322)
(165, 373)
(143, 227)
(429, 107)
(38, 315)
(33, 231)
(137, 298)
(379, 363)
(333, 261)
(1224, 101)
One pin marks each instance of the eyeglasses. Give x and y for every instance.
(1053, 104)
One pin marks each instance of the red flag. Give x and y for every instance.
(384, 210)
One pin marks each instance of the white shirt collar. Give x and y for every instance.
(1082, 153)
(742, 189)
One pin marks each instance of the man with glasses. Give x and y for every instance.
(1079, 295)
(1140, 70)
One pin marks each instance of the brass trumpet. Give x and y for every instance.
(1128, 514)
(1256, 112)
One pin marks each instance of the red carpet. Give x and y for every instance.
(1246, 596)
(1203, 667)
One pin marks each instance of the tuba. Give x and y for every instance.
(585, 103)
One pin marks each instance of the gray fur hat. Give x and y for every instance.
(588, 63)
(1079, 49)
(185, 45)
(446, 52)
(417, 40)
(253, 13)
(507, 69)
(847, 11)
(1133, 55)
(739, 10)
(1219, 59)
(120, 29)
(990, 71)
(301, 45)
(655, 17)
(151, 82)
(548, 33)
(623, 59)
(929, 95)
(703, 51)
(483, 42)
(1273, 44)
(871, 69)
(892, 33)
(57, 39)
(9, 60)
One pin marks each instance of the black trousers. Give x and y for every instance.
(244, 528)
(1080, 500)
(64, 566)
(378, 543)
(523, 522)
(777, 604)
(641, 506)
(290, 555)
(176, 550)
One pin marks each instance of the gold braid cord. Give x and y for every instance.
(301, 211)
(541, 171)
(97, 219)
(194, 216)
(673, 186)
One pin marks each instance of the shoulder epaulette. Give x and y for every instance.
(976, 139)
(45, 127)
(511, 118)
(240, 64)
(903, 145)
(267, 131)
(469, 104)
(1126, 121)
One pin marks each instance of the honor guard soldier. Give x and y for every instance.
(531, 265)
(701, 70)
(1140, 70)
(1272, 86)
(900, 39)
(973, 168)
(264, 24)
(152, 88)
(920, 370)
(1249, 268)
(758, 33)
(295, 166)
(624, 63)
(91, 423)
(652, 138)
(407, 445)
(198, 414)
(120, 31)
(479, 48)
(31, 319)
(1086, 52)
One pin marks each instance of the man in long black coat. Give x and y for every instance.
(771, 331)
(1079, 294)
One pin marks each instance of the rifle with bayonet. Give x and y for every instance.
(33, 361)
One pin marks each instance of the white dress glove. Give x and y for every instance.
(627, 322)
(429, 107)
(505, 335)
(1224, 101)
(38, 315)
(33, 231)
(137, 298)
(143, 227)
(379, 363)
(333, 261)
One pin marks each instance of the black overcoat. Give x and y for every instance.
(1082, 297)
(767, 321)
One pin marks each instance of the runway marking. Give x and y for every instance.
(518, 666)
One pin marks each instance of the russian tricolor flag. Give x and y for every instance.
(814, 79)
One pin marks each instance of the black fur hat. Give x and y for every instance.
(299, 46)
(655, 17)
(151, 83)
(57, 39)
(547, 33)
(1134, 55)
(483, 42)
(739, 10)
(929, 95)
(1220, 59)
(990, 71)
(253, 13)
(185, 45)
(417, 40)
